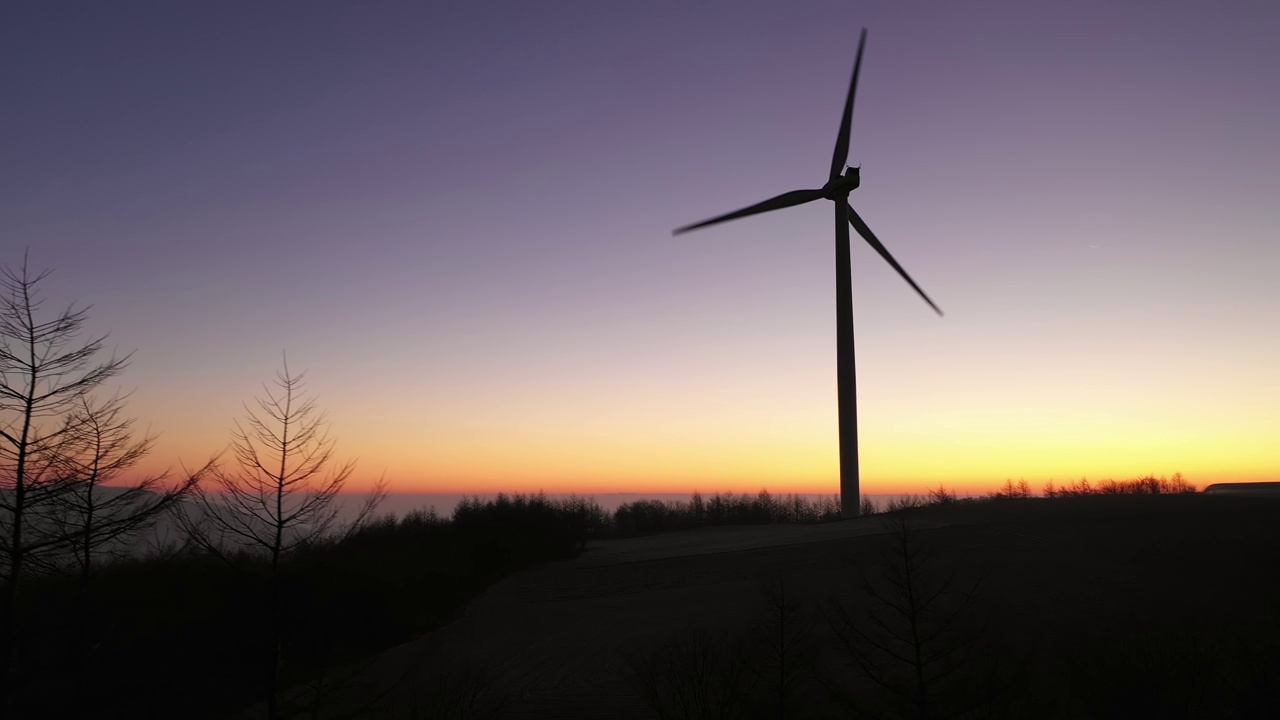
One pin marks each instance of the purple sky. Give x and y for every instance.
(458, 217)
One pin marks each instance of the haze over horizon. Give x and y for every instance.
(458, 220)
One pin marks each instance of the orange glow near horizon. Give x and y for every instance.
(951, 451)
(741, 396)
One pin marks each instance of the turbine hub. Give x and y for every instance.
(841, 186)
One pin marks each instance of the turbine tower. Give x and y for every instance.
(839, 185)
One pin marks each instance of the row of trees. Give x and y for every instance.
(1145, 485)
(646, 516)
(587, 519)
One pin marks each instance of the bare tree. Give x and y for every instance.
(96, 514)
(97, 518)
(913, 634)
(44, 376)
(778, 653)
(62, 457)
(279, 495)
(693, 673)
(456, 691)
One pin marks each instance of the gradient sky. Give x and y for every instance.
(457, 217)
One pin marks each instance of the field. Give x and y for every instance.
(1091, 606)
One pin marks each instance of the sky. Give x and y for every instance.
(456, 217)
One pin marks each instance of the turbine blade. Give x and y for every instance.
(785, 200)
(858, 224)
(841, 155)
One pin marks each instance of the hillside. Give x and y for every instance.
(1106, 603)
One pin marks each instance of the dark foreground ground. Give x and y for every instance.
(1113, 606)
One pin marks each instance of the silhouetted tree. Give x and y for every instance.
(99, 519)
(44, 376)
(867, 507)
(279, 496)
(910, 633)
(692, 674)
(778, 654)
(764, 509)
(1010, 489)
(941, 496)
(698, 507)
(585, 518)
(95, 520)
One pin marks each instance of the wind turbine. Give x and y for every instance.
(837, 190)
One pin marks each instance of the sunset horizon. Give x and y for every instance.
(460, 225)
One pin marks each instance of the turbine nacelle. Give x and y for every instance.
(840, 187)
